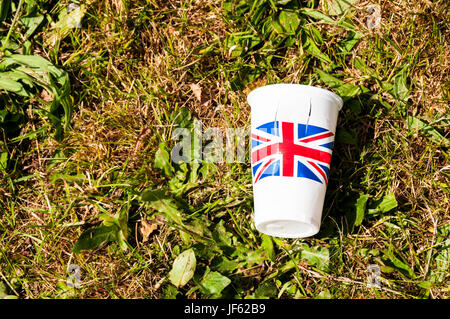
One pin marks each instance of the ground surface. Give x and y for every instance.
(137, 69)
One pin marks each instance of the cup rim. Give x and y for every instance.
(329, 93)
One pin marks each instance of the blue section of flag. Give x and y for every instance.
(271, 170)
(304, 171)
(328, 145)
(256, 143)
(307, 130)
(325, 169)
(255, 168)
(271, 128)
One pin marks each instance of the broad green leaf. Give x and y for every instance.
(214, 282)
(266, 290)
(387, 203)
(400, 89)
(360, 208)
(345, 90)
(442, 259)
(67, 104)
(66, 22)
(444, 234)
(13, 86)
(120, 220)
(170, 292)
(4, 292)
(315, 34)
(253, 257)
(268, 30)
(44, 74)
(324, 294)
(323, 18)
(17, 76)
(286, 22)
(11, 45)
(425, 284)
(162, 161)
(183, 118)
(386, 86)
(328, 79)
(34, 62)
(267, 244)
(398, 264)
(158, 200)
(170, 209)
(220, 234)
(339, 7)
(4, 9)
(416, 124)
(3, 161)
(310, 46)
(3, 115)
(153, 195)
(94, 237)
(316, 256)
(183, 268)
(226, 265)
(289, 265)
(31, 23)
(352, 39)
(349, 90)
(441, 269)
(227, 6)
(318, 15)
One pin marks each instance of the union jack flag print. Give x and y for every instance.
(291, 150)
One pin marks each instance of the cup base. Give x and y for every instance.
(287, 228)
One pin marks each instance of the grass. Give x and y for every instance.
(139, 68)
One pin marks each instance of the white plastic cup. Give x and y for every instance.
(293, 128)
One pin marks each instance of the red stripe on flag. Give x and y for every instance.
(260, 138)
(320, 171)
(288, 148)
(263, 152)
(315, 138)
(263, 168)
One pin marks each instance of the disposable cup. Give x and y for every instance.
(292, 134)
